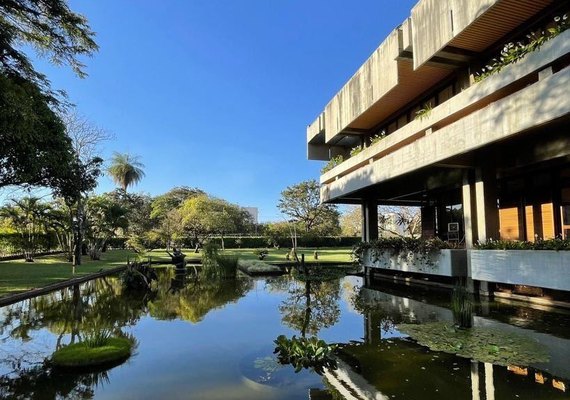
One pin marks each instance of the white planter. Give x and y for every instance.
(447, 262)
(540, 268)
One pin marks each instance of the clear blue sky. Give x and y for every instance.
(217, 94)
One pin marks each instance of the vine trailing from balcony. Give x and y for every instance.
(413, 250)
(333, 162)
(557, 244)
(513, 52)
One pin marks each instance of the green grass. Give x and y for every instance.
(275, 256)
(82, 355)
(18, 275)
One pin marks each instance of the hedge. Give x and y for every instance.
(12, 243)
(254, 242)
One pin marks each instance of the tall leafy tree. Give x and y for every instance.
(203, 216)
(49, 27)
(35, 149)
(126, 170)
(28, 216)
(301, 202)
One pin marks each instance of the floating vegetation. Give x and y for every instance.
(481, 344)
(309, 353)
(97, 351)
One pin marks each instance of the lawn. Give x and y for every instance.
(17, 275)
(275, 256)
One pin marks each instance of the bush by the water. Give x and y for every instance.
(95, 351)
(216, 265)
(138, 276)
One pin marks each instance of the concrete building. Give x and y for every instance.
(488, 152)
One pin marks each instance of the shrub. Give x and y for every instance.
(400, 246)
(557, 244)
(333, 162)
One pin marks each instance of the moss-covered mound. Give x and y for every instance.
(112, 350)
(480, 343)
(254, 268)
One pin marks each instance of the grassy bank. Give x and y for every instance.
(274, 256)
(18, 275)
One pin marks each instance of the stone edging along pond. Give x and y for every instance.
(14, 298)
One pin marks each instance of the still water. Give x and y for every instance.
(199, 340)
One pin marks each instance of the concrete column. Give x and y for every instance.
(428, 221)
(486, 204)
(369, 220)
(469, 211)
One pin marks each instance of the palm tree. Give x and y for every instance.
(126, 170)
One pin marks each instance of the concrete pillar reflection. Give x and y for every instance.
(475, 380)
(489, 383)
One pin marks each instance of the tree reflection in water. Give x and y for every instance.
(192, 298)
(312, 302)
(102, 304)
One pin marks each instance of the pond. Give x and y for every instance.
(215, 340)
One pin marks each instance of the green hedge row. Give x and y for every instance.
(12, 243)
(261, 242)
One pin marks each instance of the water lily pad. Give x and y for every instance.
(481, 344)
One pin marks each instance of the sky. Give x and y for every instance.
(217, 94)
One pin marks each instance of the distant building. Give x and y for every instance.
(254, 212)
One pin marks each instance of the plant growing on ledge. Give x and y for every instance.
(333, 162)
(514, 52)
(420, 249)
(557, 244)
(355, 151)
(424, 112)
(378, 137)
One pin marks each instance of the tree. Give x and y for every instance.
(35, 149)
(28, 217)
(301, 202)
(163, 204)
(81, 177)
(400, 221)
(104, 217)
(48, 26)
(203, 216)
(351, 222)
(126, 170)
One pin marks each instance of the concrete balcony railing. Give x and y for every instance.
(446, 262)
(475, 117)
(540, 268)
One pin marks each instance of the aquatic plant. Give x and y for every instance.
(462, 306)
(138, 276)
(94, 353)
(305, 353)
(478, 343)
(216, 265)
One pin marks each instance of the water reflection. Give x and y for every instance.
(199, 348)
(100, 305)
